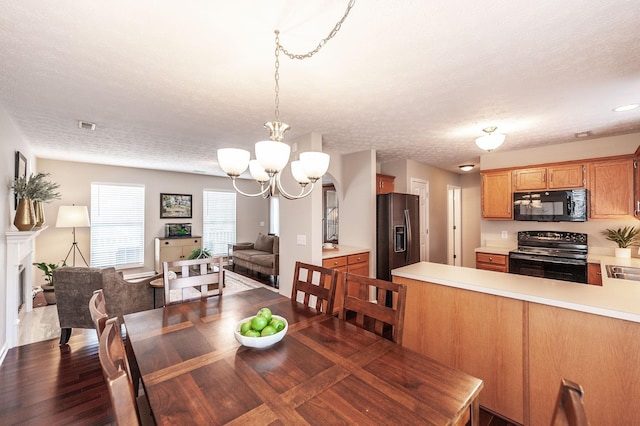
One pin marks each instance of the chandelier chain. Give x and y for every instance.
(280, 48)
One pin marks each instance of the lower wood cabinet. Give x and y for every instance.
(594, 274)
(522, 350)
(172, 249)
(492, 262)
(357, 263)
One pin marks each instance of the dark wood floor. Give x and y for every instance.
(45, 384)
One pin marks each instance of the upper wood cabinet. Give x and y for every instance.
(385, 184)
(553, 177)
(530, 179)
(567, 176)
(496, 195)
(611, 188)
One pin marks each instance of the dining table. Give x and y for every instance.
(324, 371)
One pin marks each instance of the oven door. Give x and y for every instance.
(573, 270)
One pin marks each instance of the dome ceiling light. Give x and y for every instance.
(491, 140)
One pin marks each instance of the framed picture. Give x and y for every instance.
(21, 171)
(175, 205)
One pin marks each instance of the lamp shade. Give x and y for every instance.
(73, 217)
(233, 161)
(315, 164)
(272, 156)
(490, 141)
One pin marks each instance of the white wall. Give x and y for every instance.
(471, 213)
(404, 171)
(12, 140)
(75, 186)
(300, 218)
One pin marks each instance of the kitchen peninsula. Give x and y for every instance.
(521, 335)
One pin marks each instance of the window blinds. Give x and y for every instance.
(219, 221)
(117, 225)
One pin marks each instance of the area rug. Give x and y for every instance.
(233, 283)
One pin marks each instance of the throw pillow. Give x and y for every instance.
(264, 243)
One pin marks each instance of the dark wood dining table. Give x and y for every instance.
(324, 371)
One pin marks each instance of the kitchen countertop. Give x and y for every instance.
(616, 298)
(495, 249)
(342, 251)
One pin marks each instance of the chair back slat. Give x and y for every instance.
(569, 410)
(316, 281)
(98, 311)
(115, 367)
(375, 315)
(200, 274)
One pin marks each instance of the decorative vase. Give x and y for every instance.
(38, 207)
(623, 252)
(25, 219)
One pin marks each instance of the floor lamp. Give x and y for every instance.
(73, 217)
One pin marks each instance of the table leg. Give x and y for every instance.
(475, 412)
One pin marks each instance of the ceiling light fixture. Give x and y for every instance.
(491, 140)
(466, 167)
(273, 155)
(624, 108)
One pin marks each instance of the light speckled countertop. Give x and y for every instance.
(616, 298)
(342, 251)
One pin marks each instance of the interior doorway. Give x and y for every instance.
(454, 226)
(420, 188)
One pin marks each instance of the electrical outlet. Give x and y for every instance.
(301, 240)
(504, 234)
(261, 223)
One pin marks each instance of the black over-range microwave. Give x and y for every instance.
(551, 206)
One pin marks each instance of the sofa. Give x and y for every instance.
(74, 286)
(262, 256)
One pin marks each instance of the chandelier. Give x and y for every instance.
(273, 155)
(491, 140)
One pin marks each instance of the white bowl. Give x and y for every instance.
(260, 342)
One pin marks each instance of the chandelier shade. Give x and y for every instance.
(233, 161)
(491, 140)
(272, 155)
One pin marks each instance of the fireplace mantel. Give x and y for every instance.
(20, 248)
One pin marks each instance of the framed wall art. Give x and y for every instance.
(20, 171)
(175, 206)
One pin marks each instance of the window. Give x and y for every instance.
(117, 225)
(218, 221)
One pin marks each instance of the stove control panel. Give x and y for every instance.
(552, 237)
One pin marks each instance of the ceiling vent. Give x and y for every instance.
(86, 125)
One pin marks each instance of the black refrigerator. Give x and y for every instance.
(398, 227)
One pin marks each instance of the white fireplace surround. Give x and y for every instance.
(20, 248)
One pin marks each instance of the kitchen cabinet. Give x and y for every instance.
(357, 263)
(530, 179)
(611, 189)
(496, 195)
(172, 249)
(385, 183)
(567, 176)
(561, 176)
(594, 274)
(492, 262)
(480, 334)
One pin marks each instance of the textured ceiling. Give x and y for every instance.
(168, 83)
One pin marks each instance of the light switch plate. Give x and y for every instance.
(504, 234)
(301, 240)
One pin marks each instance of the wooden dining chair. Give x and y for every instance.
(98, 311)
(317, 284)
(198, 274)
(383, 315)
(128, 410)
(569, 410)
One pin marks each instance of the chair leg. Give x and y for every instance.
(65, 334)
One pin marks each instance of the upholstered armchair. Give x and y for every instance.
(74, 287)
